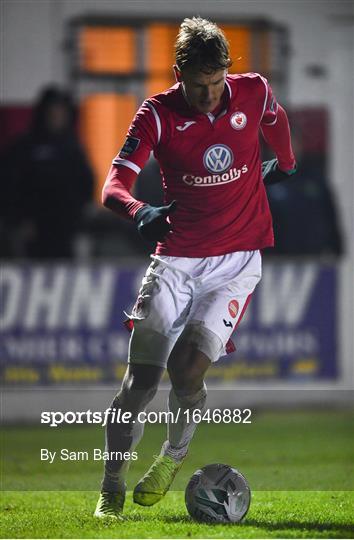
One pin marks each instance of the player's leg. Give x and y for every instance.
(138, 389)
(196, 348)
(154, 314)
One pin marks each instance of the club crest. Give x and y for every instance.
(238, 120)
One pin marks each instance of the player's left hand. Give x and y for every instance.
(271, 173)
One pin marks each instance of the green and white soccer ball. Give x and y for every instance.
(218, 494)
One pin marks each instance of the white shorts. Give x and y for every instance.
(177, 291)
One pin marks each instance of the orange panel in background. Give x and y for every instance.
(104, 121)
(264, 46)
(107, 50)
(155, 85)
(160, 40)
(239, 39)
(160, 55)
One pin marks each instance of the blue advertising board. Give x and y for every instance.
(63, 323)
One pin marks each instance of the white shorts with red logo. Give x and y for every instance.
(212, 291)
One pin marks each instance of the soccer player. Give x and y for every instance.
(204, 132)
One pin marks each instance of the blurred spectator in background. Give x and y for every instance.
(46, 182)
(303, 210)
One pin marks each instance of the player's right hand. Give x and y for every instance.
(152, 221)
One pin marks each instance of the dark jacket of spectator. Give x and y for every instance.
(46, 182)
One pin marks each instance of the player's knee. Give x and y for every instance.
(187, 376)
(139, 394)
(139, 386)
(142, 376)
(187, 381)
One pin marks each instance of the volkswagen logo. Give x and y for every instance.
(218, 158)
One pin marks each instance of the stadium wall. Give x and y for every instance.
(33, 37)
(322, 56)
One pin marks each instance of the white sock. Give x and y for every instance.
(180, 434)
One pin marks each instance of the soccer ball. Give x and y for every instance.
(217, 494)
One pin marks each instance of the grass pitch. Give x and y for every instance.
(272, 515)
(299, 466)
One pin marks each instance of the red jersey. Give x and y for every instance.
(209, 164)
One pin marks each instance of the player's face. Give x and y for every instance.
(203, 90)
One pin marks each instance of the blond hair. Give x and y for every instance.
(201, 45)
